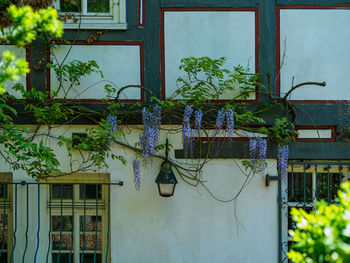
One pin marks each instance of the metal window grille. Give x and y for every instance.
(55, 222)
(308, 182)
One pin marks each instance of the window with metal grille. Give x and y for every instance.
(309, 182)
(78, 215)
(5, 217)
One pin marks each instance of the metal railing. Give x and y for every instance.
(55, 222)
(308, 182)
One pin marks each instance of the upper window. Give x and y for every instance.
(92, 14)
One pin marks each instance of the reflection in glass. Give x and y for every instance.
(98, 6)
(70, 6)
(90, 224)
(324, 189)
(67, 223)
(299, 184)
(64, 257)
(89, 191)
(65, 189)
(90, 241)
(65, 244)
(89, 258)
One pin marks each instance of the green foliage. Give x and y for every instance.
(283, 131)
(206, 79)
(26, 23)
(323, 235)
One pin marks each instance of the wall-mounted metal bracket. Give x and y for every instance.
(271, 178)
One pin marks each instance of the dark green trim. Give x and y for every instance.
(298, 151)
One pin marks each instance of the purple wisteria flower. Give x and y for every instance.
(257, 154)
(219, 121)
(112, 122)
(137, 177)
(187, 131)
(198, 120)
(230, 122)
(282, 161)
(150, 136)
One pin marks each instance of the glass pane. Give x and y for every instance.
(3, 230)
(89, 258)
(90, 191)
(63, 223)
(90, 241)
(90, 224)
(323, 189)
(64, 257)
(3, 257)
(70, 5)
(67, 191)
(3, 238)
(3, 191)
(98, 6)
(65, 244)
(297, 187)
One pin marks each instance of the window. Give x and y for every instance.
(78, 215)
(92, 14)
(5, 217)
(309, 182)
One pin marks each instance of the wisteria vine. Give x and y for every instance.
(150, 136)
(137, 176)
(257, 154)
(282, 161)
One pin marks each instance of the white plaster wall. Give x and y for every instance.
(188, 227)
(20, 52)
(213, 34)
(316, 44)
(120, 65)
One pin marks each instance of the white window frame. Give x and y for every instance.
(115, 19)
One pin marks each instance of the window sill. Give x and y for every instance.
(95, 26)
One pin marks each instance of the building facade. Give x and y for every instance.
(99, 217)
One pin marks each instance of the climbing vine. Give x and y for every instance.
(193, 107)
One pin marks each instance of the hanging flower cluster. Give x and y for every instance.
(112, 123)
(137, 177)
(230, 122)
(257, 154)
(198, 120)
(187, 131)
(282, 161)
(150, 136)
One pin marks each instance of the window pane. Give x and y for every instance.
(70, 5)
(3, 191)
(98, 6)
(65, 244)
(64, 257)
(90, 224)
(3, 230)
(323, 189)
(3, 257)
(298, 185)
(89, 258)
(90, 241)
(90, 191)
(65, 189)
(66, 221)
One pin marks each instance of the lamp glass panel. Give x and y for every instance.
(166, 189)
